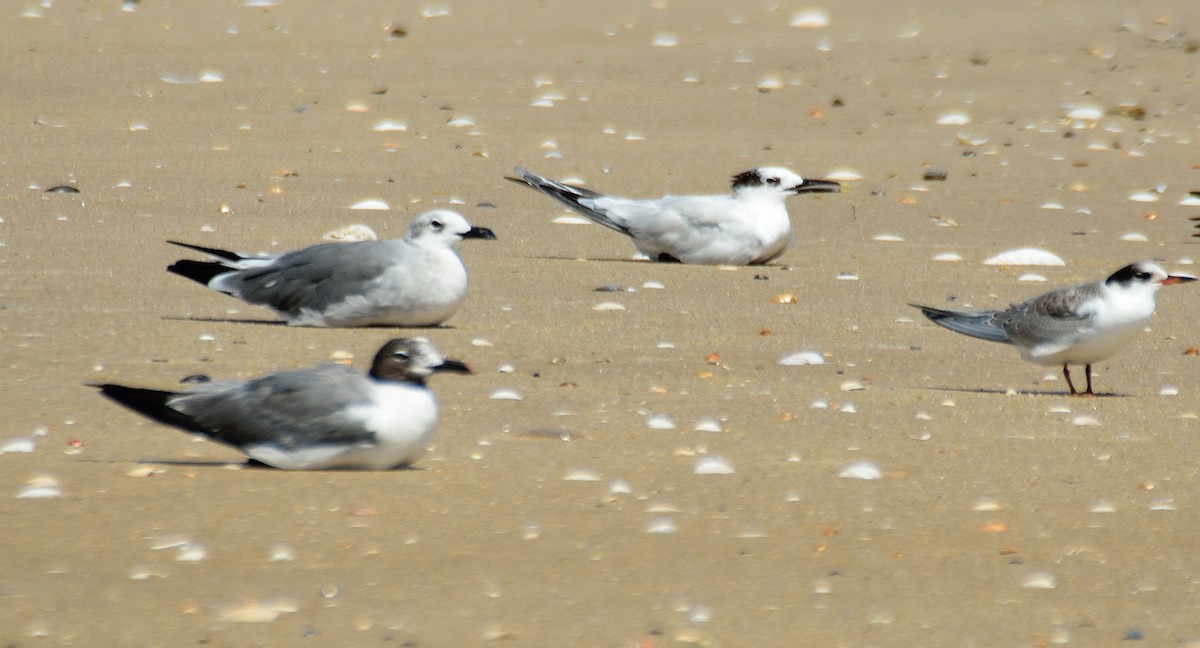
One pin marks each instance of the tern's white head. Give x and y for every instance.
(1143, 275)
(781, 181)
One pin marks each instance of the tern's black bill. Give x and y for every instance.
(817, 186)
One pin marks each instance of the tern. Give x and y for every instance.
(1077, 325)
(749, 227)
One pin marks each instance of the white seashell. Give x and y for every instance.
(1039, 580)
(1144, 196)
(620, 487)
(804, 358)
(819, 404)
(665, 345)
(1085, 112)
(390, 126)
(462, 121)
(264, 611)
(1134, 237)
(281, 552)
(848, 408)
(843, 174)
(192, 552)
(571, 220)
(169, 541)
(482, 342)
(139, 126)
(1168, 390)
(1031, 278)
(947, 256)
(505, 393)
(634, 137)
(712, 465)
(660, 422)
(506, 368)
(661, 525)
(861, 470)
(351, 233)
(660, 506)
(1190, 200)
(770, 83)
(608, 306)
(18, 445)
(656, 285)
(810, 19)
(987, 504)
(889, 238)
(357, 107)
(1102, 506)
(211, 76)
(40, 487)
(1166, 504)
(142, 572)
(665, 40)
(955, 118)
(845, 276)
(1084, 419)
(1026, 256)
(708, 424)
(1052, 205)
(370, 204)
(440, 10)
(852, 385)
(581, 475)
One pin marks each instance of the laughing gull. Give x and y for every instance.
(747, 228)
(418, 280)
(328, 416)
(1078, 325)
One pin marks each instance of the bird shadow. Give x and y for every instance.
(263, 322)
(650, 262)
(1021, 392)
(254, 464)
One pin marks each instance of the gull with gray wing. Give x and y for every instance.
(418, 280)
(326, 417)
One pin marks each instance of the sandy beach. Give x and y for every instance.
(996, 511)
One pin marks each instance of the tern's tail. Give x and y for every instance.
(976, 325)
(150, 403)
(201, 272)
(569, 196)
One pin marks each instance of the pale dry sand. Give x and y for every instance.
(485, 542)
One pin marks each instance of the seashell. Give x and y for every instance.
(713, 465)
(370, 204)
(888, 238)
(843, 174)
(708, 424)
(390, 126)
(461, 121)
(861, 470)
(581, 475)
(1085, 112)
(571, 220)
(1168, 390)
(810, 19)
(661, 525)
(852, 385)
(1144, 196)
(1134, 237)
(281, 552)
(1025, 256)
(1031, 278)
(665, 40)
(655, 285)
(770, 83)
(784, 298)
(660, 422)
(608, 306)
(954, 118)
(505, 393)
(803, 358)
(18, 445)
(350, 234)
(947, 256)
(1039, 580)
(1084, 419)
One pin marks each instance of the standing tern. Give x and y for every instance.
(418, 280)
(328, 416)
(1077, 325)
(749, 227)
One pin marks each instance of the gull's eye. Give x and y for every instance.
(400, 355)
(1143, 276)
(772, 181)
(436, 225)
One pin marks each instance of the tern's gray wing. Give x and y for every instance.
(1054, 316)
(291, 410)
(313, 278)
(577, 199)
(983, 325)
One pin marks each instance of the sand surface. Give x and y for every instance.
(1000, 517)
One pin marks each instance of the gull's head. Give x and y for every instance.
(412, 360)
(781, 181)
(1144, 275)
(445, 227)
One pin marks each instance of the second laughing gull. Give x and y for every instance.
(326, 417)
(418, 280)
(749, 227)
(1078, 325)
